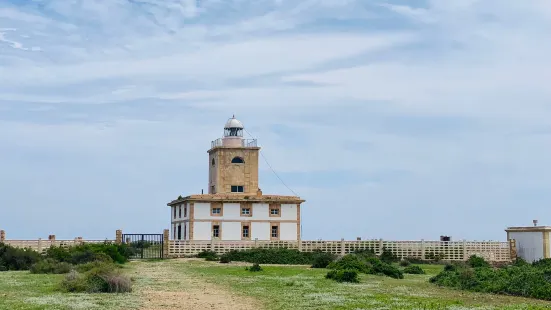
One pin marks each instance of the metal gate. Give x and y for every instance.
(144, 246)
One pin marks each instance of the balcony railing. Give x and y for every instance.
(244, 143)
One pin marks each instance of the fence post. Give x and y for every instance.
(513, 249)
(166, 237)
(422, 249)
(343, 249)
(381, 246)
(40, 245)
(465, 250)
(118, 236)
(2, 235)
(256, 242)
(299, 245)
(212, 244)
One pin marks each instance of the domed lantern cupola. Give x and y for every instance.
(233, 133)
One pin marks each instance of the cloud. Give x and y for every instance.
(408, 120)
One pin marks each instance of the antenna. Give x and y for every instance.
(535, 222)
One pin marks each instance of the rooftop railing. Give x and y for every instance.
(244, 143)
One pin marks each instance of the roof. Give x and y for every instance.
(238, 198)
(233, 123)
(528, 229)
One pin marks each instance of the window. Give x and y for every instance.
(174, 211)
(212, 162)
(275, 231)
(185, 211)
(237, 188)
(179, 232)
(245, 211)
(275, 210)
(216, 209)
(216, 231)
(245, 231)
(180, 212)
(237, 160)
(212, 189)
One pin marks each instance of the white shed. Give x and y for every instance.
(532, 242)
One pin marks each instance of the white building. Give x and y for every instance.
(532, 242)
(235, 208)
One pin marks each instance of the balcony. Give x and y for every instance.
(244, 143)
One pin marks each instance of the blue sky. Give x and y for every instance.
(393, 119)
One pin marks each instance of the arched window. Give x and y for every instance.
(213, 162)
(237, 160)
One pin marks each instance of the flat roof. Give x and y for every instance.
(237, 198)
(528, 229)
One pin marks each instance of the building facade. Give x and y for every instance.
(235, 208)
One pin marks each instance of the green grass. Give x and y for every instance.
(21, 290)
(276, 287)
(282, 287)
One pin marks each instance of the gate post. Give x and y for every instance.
(2, 235)
(166, 235)
(118, 236)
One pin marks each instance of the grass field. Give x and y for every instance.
(196, 284)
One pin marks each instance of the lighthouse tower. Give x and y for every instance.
(233, 162)
(235, 208)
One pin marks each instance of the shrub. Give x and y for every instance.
(387, 256)
(435, 256)
(367, 265)
(450, 267)
(254, 268)
(50, 265)
(88, 252)
(12, 258)
(208, 255)
(104, 278)
(414, 270)
(224, 259)
(404, 263)
(544, 263)
(343, 276)
(273, 256)
(477, 262)
(322, 260)
(524, 280)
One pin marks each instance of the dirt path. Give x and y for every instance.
(164, 286)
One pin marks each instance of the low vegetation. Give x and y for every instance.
(254, 268)
(343, 276)
(414, 269)
(518, 279)
(88, 267)
(366, 264)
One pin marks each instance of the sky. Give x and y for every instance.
(401, 120)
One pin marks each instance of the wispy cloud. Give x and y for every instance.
(380, 111)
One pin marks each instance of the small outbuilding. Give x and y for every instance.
(532, 242)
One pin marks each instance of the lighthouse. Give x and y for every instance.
(234, 207)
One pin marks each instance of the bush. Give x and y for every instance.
(343, 276)
(208, 255)
(224, 259)
(524, 280)
(104, 278)
(273, 256)
(322, 260)
(477, 262)
(254, 268)
(404, 263)
(367, 265)
(387, 256)
(89, 252)
(52, 266)
(414, 270)
(12, 258)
